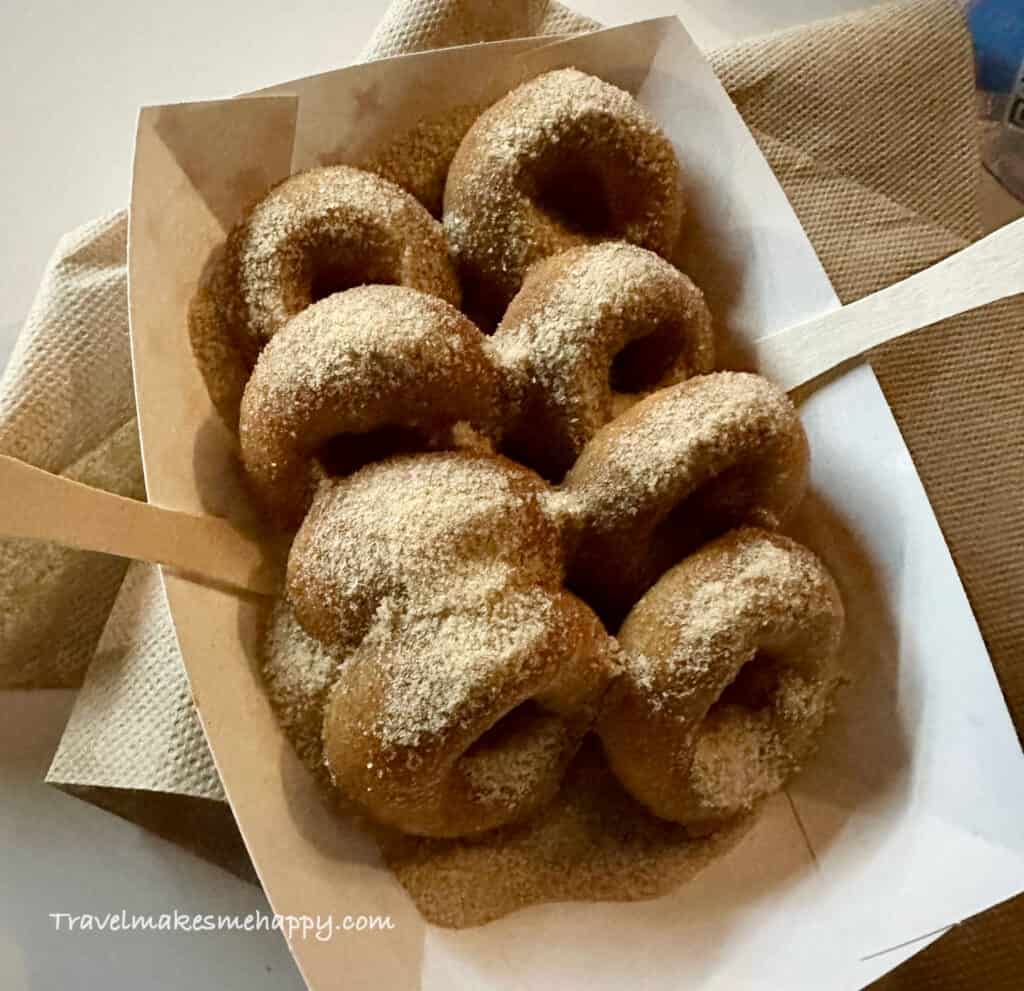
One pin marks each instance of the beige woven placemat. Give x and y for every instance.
(868, 122)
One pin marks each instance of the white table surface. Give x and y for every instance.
(74, 74)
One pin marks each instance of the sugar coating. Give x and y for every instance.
(362, 226)
(560, 336)
(730, 664)
(496, 215)
(299, 672)
(436, 580)
(430, 535)
(594, 842)
(443, 575)
(359, 361)
(313, 234)
(418, 158)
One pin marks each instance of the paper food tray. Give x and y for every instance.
(907, 821)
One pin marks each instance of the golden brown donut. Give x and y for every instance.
(298, 673)
(314, 234)
(418, 158)
(730, 668)
(562, 160)
(683, 464)
(588, 325)
(452, 724)
(444, 574)
(348, 370)
(436, 532)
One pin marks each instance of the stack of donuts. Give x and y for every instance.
(526, 507)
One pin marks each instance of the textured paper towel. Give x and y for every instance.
(869, 123)
(417, 25)
(67, 405)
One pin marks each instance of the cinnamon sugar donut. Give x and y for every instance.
(439, 532)
(730, 667)
(314, 234)
(452, 724)
(562, 160)
(418, 158)
(474, 675)
(588, 325)
(683, 464)
(348, 370)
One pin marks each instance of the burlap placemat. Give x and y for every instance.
(869, 123)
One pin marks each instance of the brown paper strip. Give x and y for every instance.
(39, 506)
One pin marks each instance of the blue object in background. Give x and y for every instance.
(997, 27)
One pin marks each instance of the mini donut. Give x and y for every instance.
(684, 464)
(418, 158)
(298, 674)
(314, 234)
(473, 675)
(562, 160)
(589, 324)
(436, 532)
(455, 724)
(730, 666)
(378, 362)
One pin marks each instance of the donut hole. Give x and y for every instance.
(731, 497)
(514, 752)
(516, 725)
(333, 268)
(575, 197)
(645, 361)
(328, 281)
(347, 453)
(718, 505)
(755, 685)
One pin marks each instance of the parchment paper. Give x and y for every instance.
(912, 804)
